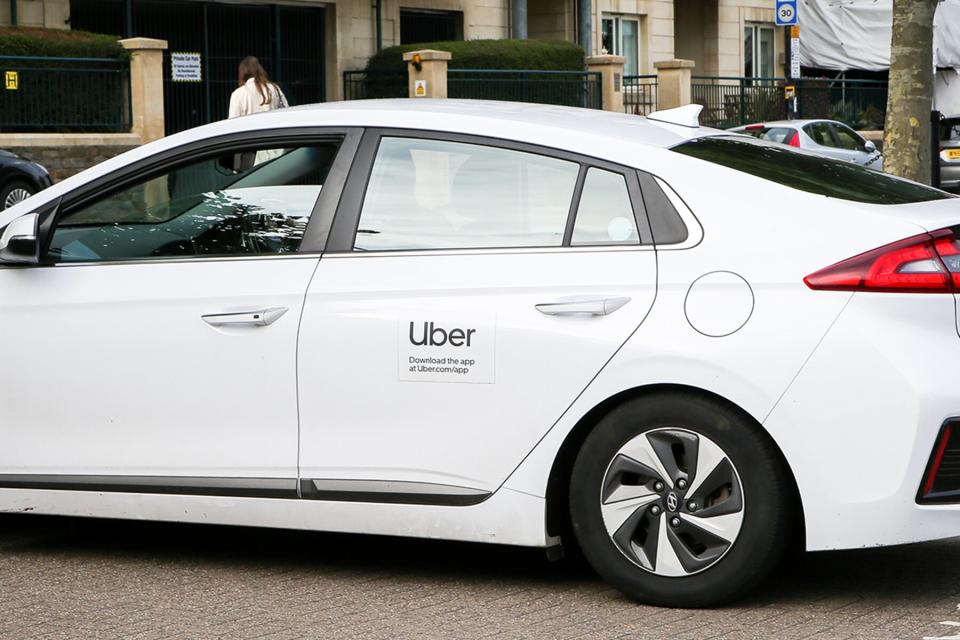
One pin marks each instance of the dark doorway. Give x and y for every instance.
(430, 26)
(289, 41)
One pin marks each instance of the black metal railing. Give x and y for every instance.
(862, 104)
(568, 88)
(65, 94)
(732, 101)
(361, 85)
(640, 94)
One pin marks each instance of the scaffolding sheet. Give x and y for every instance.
(855, 34)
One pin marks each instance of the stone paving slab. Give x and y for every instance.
(74, 578)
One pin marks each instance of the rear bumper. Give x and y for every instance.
(949, 176)
(861, 420)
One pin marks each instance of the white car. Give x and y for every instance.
(680, 349)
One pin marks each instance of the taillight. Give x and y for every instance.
(927, 263)
(794, 140)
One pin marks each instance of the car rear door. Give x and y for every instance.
(460, 309)
(155, 349)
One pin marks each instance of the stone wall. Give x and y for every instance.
(64, 155)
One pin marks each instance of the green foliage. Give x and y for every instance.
(490, 54)
(870, 118)
(59, 43)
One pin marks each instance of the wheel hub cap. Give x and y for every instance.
(657, 529)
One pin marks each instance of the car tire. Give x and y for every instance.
(13, 191)
(622, 463)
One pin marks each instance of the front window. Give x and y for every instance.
(250, 202)
(808, 172)
(758, 51)
(621, 37)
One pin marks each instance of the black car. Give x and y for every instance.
(19, 179)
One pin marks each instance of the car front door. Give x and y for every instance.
(154, 348)
(459, 310)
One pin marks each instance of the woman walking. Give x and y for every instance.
(255, 92)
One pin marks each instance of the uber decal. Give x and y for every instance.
(441, 348)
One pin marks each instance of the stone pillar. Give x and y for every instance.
(673, 83)
(611, 79)
(146, 86)
(430, 80)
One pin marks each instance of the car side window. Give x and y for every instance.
(848, 139)
(605, 213)
(820, 132)
(251, 202)
(437, 194)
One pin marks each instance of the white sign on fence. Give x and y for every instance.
(185, 67)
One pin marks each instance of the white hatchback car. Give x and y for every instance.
(492, 322)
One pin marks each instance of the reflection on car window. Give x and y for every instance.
(605, 214)
(254, 202)
(433, 194)
(820, 132)
(808, 172)
(848, 139)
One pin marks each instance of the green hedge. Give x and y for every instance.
(59, 43)
(552, 55)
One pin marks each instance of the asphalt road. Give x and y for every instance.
(71, 578)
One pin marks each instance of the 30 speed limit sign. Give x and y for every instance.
(786, 12)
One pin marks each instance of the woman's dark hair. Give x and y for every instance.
(250, 67)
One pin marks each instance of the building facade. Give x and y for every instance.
(312, 42)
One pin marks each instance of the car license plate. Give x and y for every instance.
(953, 154)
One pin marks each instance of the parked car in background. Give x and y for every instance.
(827, 137)
(950, 153)
(20, 178)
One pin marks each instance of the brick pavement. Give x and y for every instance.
(72, 578)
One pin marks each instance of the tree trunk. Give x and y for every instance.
(907, 131)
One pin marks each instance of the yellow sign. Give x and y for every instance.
(11, 80)
(795, 31)
(789, 92)
(420, 89)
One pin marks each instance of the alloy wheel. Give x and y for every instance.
(672, 502)
(18, 194)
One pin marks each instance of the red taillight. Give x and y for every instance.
(794, 140)
(927, 263)
(754, 127)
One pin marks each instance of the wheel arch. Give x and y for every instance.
(558, 481)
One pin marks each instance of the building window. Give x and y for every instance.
(430, 26)
(621, 37)
(758, 51)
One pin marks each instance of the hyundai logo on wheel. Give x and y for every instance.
(672, 501)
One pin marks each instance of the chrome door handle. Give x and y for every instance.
(258, 318)
(585, 306)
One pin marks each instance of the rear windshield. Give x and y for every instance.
(808, 172)
(773, 134)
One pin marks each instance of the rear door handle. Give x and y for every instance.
(258, 318)
(583, 306)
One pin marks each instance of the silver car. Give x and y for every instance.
(827, 137)
(950, 153)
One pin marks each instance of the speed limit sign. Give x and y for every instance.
(786, 12)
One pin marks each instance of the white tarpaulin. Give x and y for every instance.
(855, 34)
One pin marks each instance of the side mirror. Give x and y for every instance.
(869, 147)
(19, 243)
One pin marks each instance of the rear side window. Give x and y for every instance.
(436, 194)
(605, 214)
(808, 172)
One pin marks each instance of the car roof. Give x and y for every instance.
(511, 120)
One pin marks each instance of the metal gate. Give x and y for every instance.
(289, 41)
